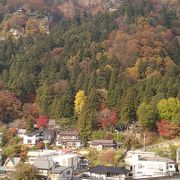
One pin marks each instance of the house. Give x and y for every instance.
(108, 172)
(130, 154)
(20, 11)
(83, 162)
(76, 161)
(69, 138)
(9, 166)
(21, 132)
(34, 137)
(68, 159)
(47, 168)
(151, 166)
(61, 173)
(33, 155)
(102, 144)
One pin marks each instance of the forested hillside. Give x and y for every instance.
(92, 71)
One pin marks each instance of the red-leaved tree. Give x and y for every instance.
(107, 118)
(40, 145)
(167, 129)
(11, 132)
(42, 122)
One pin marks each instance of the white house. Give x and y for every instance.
(130, 154)
(33, 155)
(60, 157)
(34, 137)
(151, 166)
(76, 161)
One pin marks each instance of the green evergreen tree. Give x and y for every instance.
(147, 115)
(92, 81)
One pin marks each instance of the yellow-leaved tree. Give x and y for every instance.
(79, 101)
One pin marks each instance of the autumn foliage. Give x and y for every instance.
(107, 157)
(148, 42)
(31, 111)
(11, 132)
(107, 118)
(41, 145)
(42, 121)
(167, 129)
(10, 106)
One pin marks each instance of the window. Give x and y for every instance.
(68, 173)
(29, 141)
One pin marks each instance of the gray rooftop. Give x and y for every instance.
(157, 158)
(60, 169)
(103, 142)
(43, 164)
(14, 160)
(68, 133)
(36, 132)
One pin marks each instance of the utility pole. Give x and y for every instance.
(144, 142)
(116, 139)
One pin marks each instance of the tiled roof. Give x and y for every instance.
(68, 133)
(70, 140)
(102, 142)
(34, 132)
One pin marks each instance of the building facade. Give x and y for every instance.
(152, 166)
(69, 138)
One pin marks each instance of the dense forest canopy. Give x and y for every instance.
(91, 70)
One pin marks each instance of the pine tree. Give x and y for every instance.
(92, 81)
(93, 100)
(112, 94)
(79, 82)
(85, 83)
(165, 17)
(147, 115)
(85, 123)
